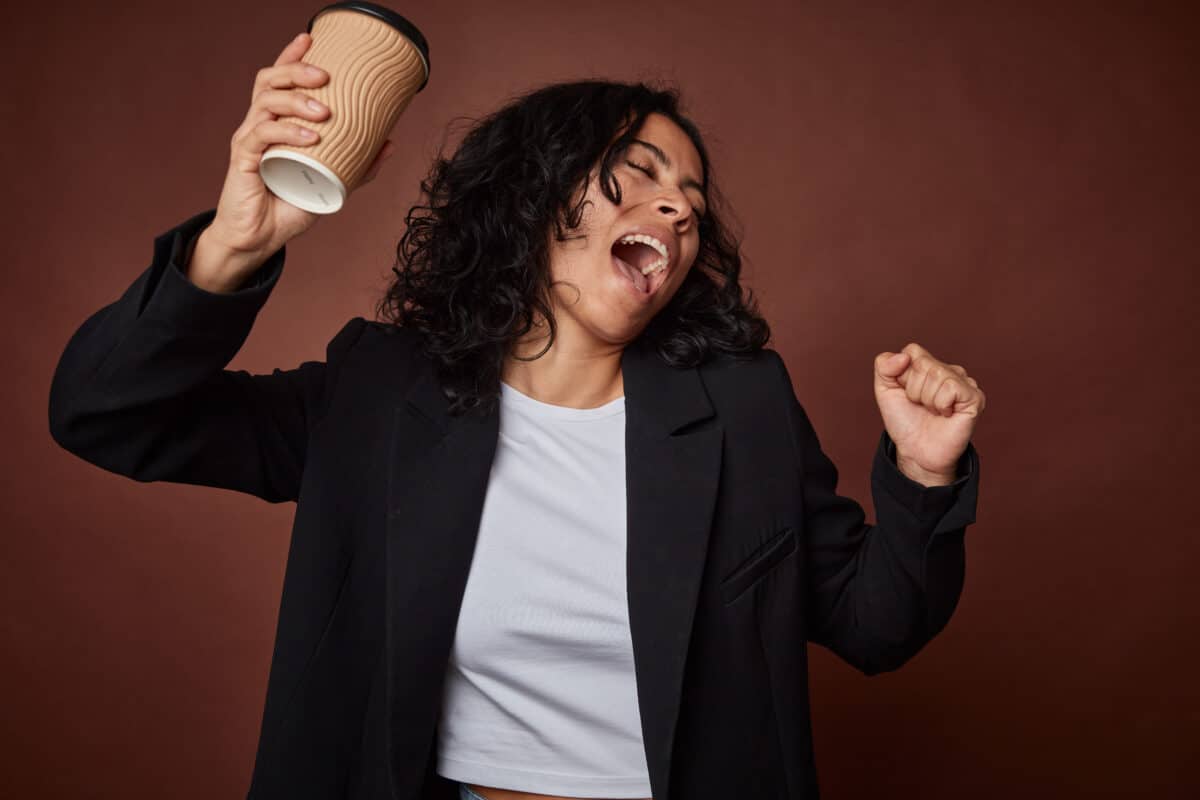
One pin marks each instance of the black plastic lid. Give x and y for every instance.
(391, 18)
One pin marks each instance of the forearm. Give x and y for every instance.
(141, 388)
(905, 573)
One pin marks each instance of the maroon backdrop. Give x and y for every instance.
(1013, 186)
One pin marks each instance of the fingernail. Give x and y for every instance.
(315, 106)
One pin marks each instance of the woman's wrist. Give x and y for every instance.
(217, 268)
(921, 476)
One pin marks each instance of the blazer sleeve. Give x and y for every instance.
(141, 389)
(878, 593)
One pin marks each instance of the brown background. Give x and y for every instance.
(1013, 186)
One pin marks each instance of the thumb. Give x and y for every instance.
(891, 364)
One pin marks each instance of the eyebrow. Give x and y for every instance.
(686, 183)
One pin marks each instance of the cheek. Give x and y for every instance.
(690, 258)
(676, 280)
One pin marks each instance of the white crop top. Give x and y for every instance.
(540, 694)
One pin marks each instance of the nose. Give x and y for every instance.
(677, 208)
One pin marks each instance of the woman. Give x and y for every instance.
(563, 528)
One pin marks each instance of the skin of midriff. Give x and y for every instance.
(492, 793)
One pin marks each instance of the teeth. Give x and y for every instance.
(641, 238)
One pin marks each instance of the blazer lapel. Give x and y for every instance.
(672, 468)
(437, 481)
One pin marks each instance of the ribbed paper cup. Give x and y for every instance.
(377, 61)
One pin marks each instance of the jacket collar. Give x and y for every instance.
(664, 398)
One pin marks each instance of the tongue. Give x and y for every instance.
(635, 276)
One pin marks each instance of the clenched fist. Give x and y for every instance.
(929, 408)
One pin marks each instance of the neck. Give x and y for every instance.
(576, 371)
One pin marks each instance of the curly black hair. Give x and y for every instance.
(473, 272)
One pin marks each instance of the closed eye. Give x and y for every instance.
(646, 170)
(650, 171)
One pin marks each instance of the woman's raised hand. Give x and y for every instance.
(251, 222)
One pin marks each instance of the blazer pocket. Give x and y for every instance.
(754, 568)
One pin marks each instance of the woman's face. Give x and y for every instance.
(661, 197)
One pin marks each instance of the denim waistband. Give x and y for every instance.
(465, 793)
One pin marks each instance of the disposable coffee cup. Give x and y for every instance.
(377, 61)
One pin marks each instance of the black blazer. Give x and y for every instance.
(739, 549)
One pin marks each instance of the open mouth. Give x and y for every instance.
(641, 262)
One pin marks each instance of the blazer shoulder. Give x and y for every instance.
(723, 358)
(376, 351)
(764, 362)
(368, 368)
(378, 334)
(744, 377)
